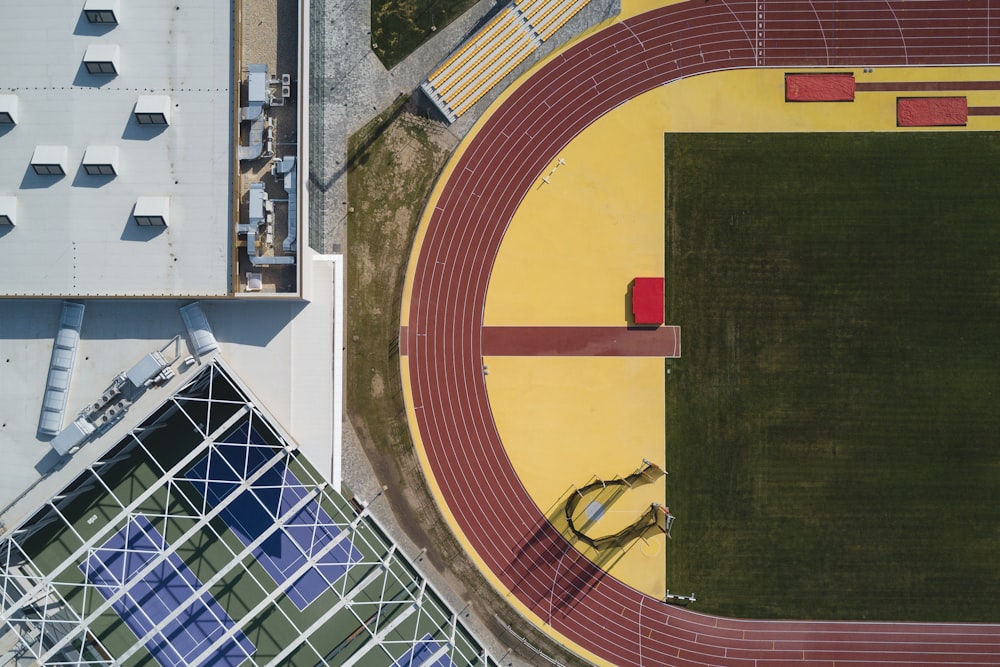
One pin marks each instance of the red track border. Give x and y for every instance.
(464, 232)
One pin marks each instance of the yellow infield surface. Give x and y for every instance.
(575, 420)
(576, 241)
(596, 220)
(579, 236)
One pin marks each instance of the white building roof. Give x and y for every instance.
(80, 228)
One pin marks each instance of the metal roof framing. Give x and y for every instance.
(382, 611)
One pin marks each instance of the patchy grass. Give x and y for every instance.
(392, 165)
(832, 426)
(400, 26)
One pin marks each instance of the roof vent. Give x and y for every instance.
(257, 81)
(153, 110)
(152, 211)
(101, 161)
(8, 109)
(50, 160)
(8, 210)
(102, 58)
(102, 11)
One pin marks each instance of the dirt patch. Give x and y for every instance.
(394, 162)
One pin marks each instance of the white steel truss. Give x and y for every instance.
(377, 606)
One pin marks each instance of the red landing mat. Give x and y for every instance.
(647, 300)
(819, 87)
(931, 111)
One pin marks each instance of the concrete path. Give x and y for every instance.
(349, 86)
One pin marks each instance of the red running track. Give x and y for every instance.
(661, 341)
(464, 232)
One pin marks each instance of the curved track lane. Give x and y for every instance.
(448, 295)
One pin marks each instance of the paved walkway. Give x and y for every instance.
(349, 86)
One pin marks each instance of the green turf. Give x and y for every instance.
(832, 427)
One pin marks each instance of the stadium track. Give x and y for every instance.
(448, 293)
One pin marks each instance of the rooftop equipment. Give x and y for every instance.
(100, 415)
(72, 436)
(102, 59)
(286, 90)
(8, 210)
(50, 160)
(257, 84)
(152, 110)
(197, 327)
(61, 368)
(258, 97)
(110, 394)
(8, 110)
(147, 369)
(261, 212)
(287, 167)
(152, 211)
(101, 161)
(102, 11)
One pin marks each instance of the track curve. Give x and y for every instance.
(443, 333)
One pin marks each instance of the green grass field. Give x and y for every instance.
(833, 428)
(400, 26)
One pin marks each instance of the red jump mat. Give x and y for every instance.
(931, 111)
(647, 300)
(819, 87)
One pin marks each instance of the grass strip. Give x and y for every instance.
(393, 164)
(399, 27)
